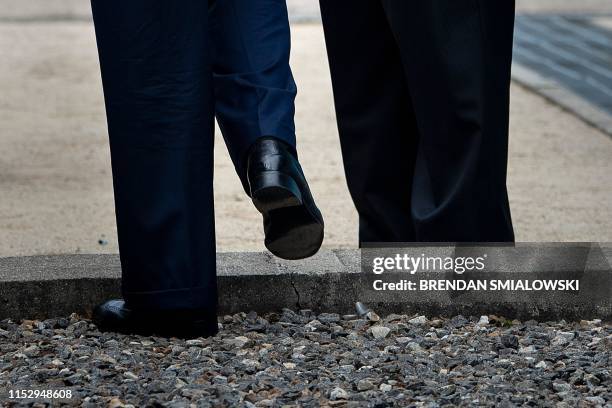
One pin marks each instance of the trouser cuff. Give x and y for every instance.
(188, 298)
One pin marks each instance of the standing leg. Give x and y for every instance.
(457, 56)
(156, 72)
(378, 133)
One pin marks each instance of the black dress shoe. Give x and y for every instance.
(292, 222)
(115, 317)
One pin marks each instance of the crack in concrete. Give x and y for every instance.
(297, 293)
(283, 269)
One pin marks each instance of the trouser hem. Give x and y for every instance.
(185, 298)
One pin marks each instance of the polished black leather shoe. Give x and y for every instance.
(293, 224)
(114, 316)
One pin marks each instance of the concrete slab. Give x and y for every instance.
(44, 10)
(56, 185)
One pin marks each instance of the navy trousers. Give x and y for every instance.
(167, 68)
(421, 90)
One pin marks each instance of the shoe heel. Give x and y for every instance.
(273, 190)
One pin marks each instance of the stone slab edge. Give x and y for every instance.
(51, 286)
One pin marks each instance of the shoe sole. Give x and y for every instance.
(293, 231)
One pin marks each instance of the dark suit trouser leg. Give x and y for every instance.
(157, 77)
(254, 86)
(375, 117)
(455, 57)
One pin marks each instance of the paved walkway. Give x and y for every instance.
(574, 51)
(55, 180)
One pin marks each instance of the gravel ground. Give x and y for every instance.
(298, 358)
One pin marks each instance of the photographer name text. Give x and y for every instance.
(478, 285)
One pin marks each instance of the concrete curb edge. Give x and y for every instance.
(51, 286)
